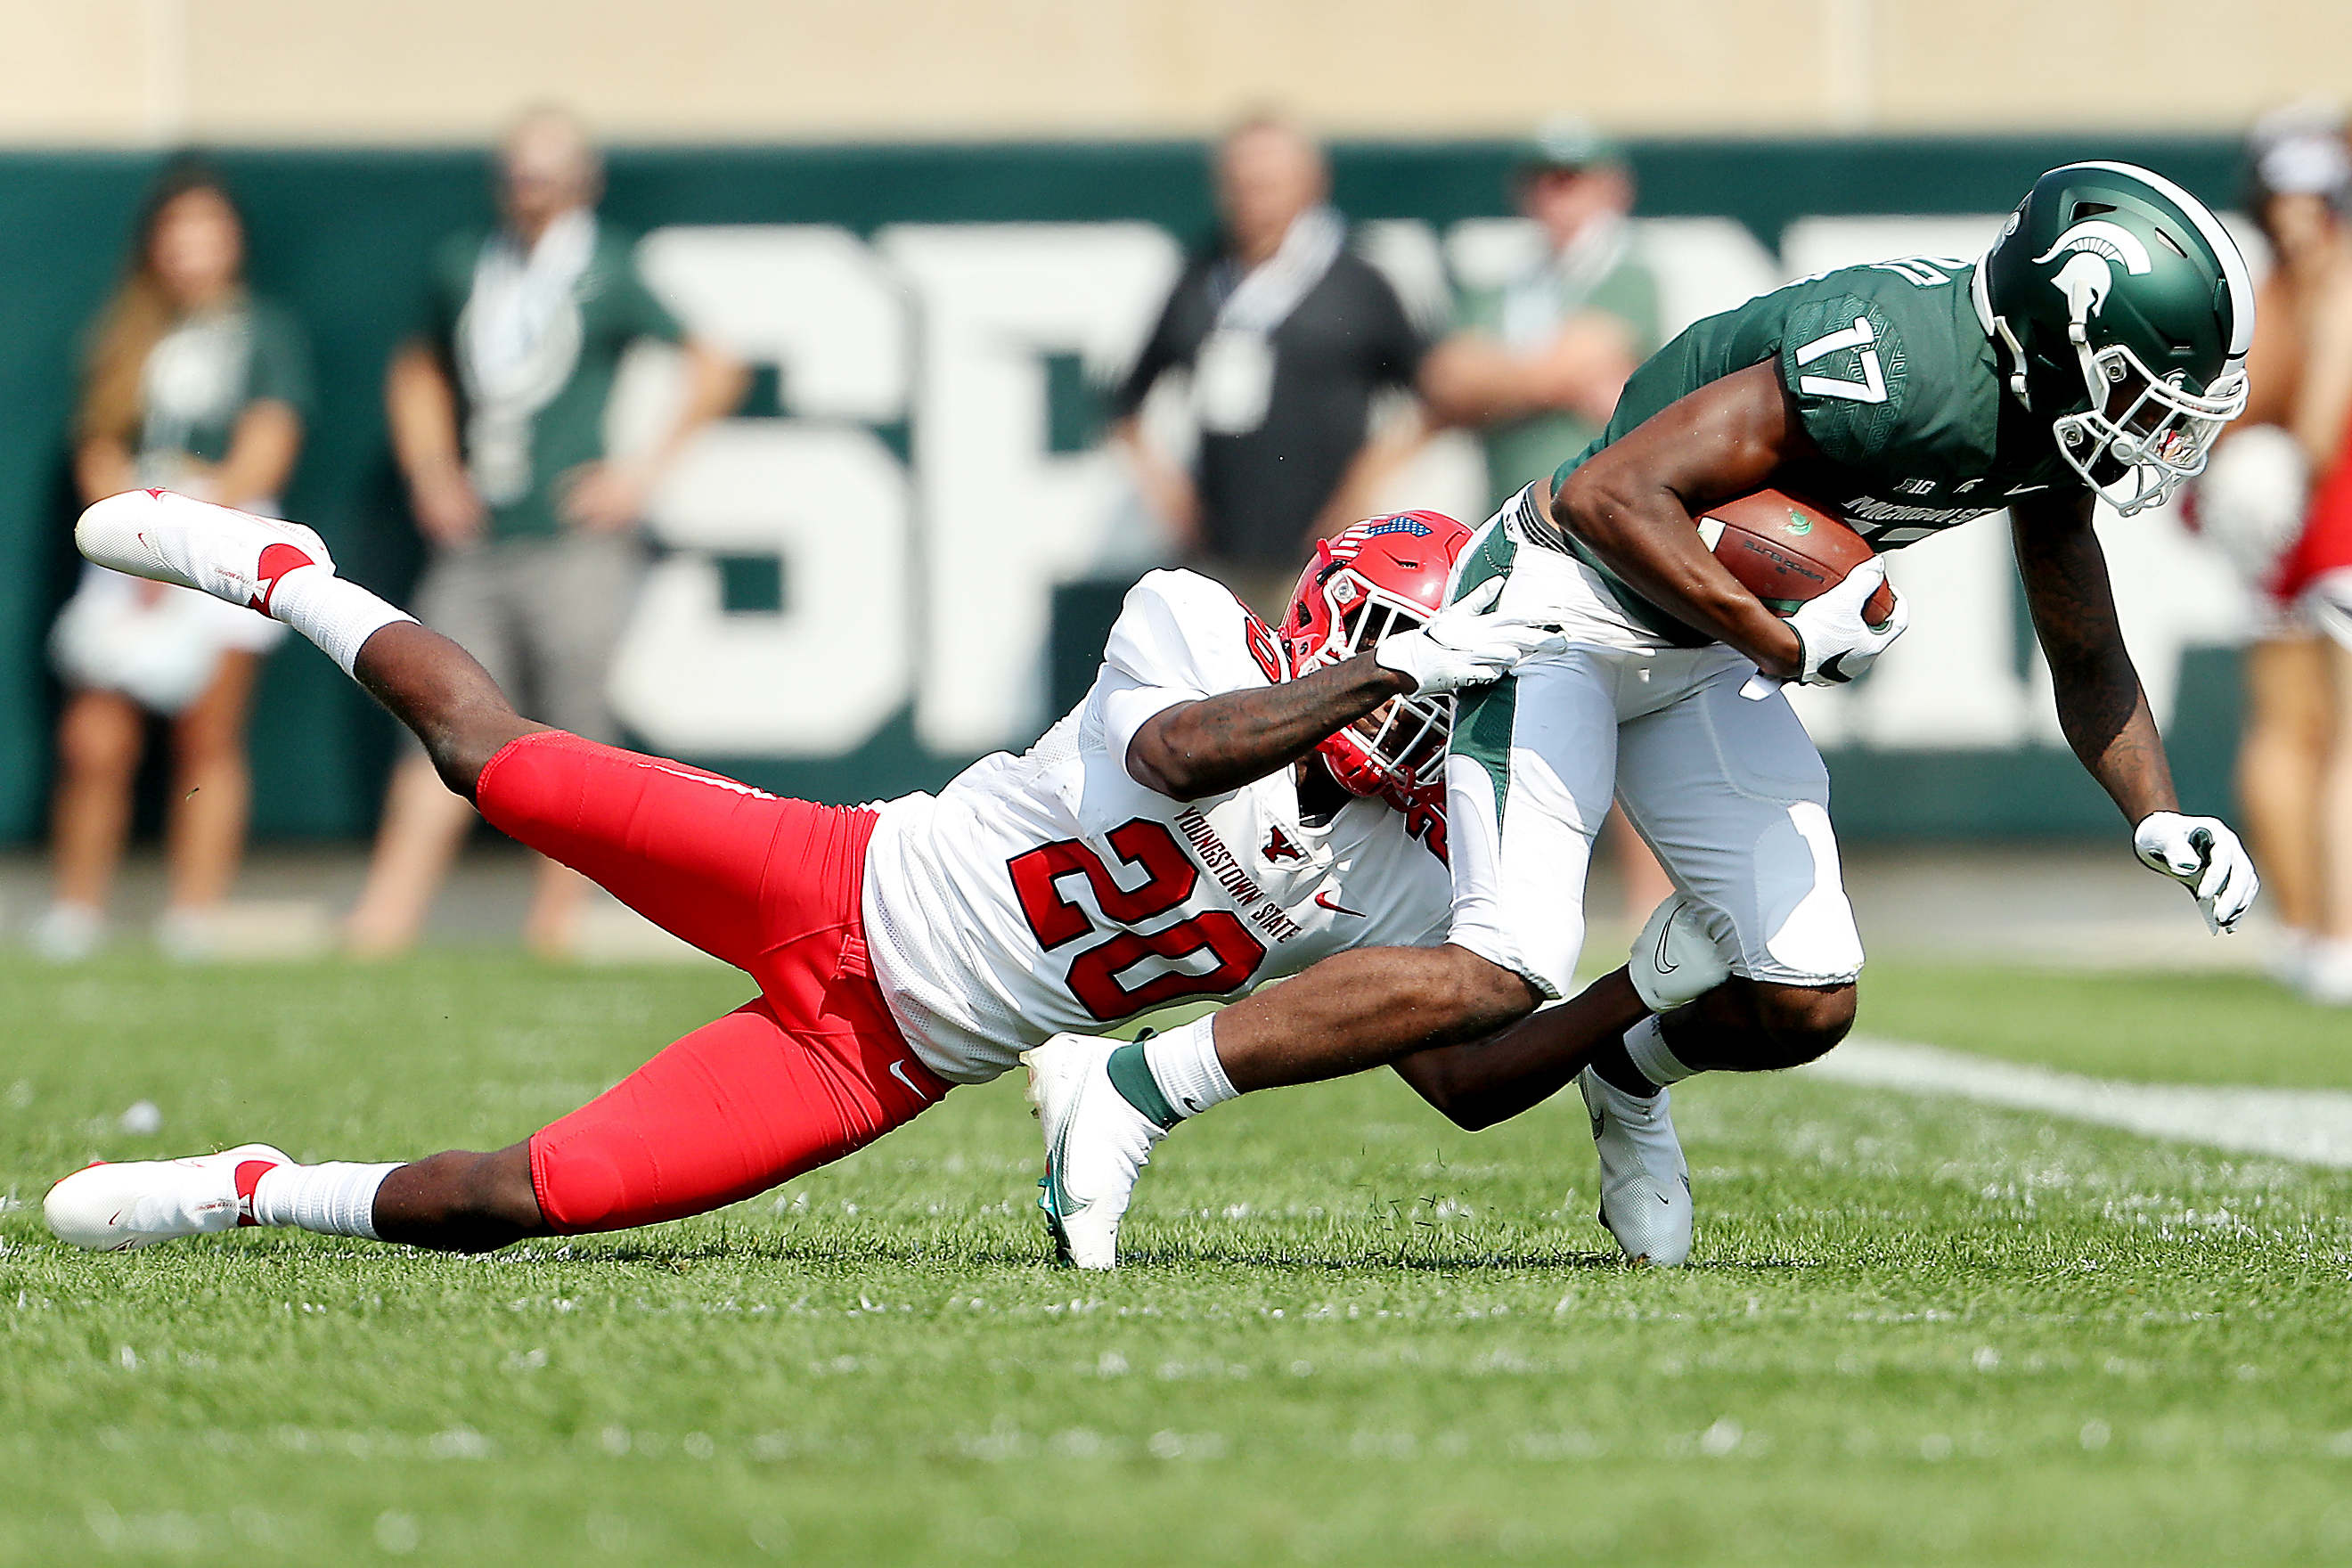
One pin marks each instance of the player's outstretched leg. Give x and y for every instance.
(744, 1103)
(456, 1201)
(283, 570)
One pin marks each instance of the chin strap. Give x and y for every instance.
(1997, 327)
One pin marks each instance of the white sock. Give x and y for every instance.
(337, 615)
(333, 1199)
(1184, 1064)
(1645, 1046)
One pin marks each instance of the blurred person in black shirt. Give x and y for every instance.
(1287, 336)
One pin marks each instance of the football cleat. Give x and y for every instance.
(119, 1207)
(165, 537)
(1097, 1144)
(1645, 1196)
(1674, 961)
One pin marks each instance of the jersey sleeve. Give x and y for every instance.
(1180, 638)
(1393, 344)
(1175, 338)
(637, 308)
(281, 361)
(448, 279)
(1845, 360)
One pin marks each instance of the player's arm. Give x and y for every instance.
(1633, 501)
(2105, 713)
(1224, 742)
(2101, 708)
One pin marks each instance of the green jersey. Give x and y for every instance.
(1895, 377)
(1606, 276)
(533, 344)
(203, 375)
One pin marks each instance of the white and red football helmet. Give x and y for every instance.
(1383, 575)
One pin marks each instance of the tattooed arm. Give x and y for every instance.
(1221, 742)
(2101, 707)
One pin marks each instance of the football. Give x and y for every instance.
(1786, 551)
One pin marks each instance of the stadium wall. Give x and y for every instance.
(860, 574)
(300, 72)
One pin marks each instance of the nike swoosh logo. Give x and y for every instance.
(1057, 1192)
(1326, 901)
(1663, 965)
(898, 1071)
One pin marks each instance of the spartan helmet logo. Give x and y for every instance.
(2087, 277)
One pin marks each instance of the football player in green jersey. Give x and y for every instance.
(2093, 354)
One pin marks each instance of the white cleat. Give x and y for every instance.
(1674, 961)
(115, 1208)
(1645, 1196)
(1097, 1144)
(170, 538)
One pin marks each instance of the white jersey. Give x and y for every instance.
(1051, 891)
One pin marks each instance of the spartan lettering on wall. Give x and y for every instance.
(904, 473)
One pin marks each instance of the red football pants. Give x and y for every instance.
(814, 1068)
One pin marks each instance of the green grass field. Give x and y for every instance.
(1914, 1332)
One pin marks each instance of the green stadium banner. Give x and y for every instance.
(902, 552)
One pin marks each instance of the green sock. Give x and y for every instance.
(1130, 1074)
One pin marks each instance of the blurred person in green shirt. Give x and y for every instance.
(194, 383)
(496, 408)
(1535, 364)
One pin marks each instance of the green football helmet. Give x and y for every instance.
(2125, 310)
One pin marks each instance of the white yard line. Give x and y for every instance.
(2310, 1125)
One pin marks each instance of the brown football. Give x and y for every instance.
(1785, 550)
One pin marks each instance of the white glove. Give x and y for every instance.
(1833, 642)
(1838, 644)
(1465, 644)
(2202, 855)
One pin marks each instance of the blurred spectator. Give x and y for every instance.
(1287, 334)
(498, 421)
(194, 385)
(1538, 362)
(2293, 539)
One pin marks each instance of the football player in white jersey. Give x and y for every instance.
(1191, 829)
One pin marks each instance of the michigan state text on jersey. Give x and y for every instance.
(2092, 352)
